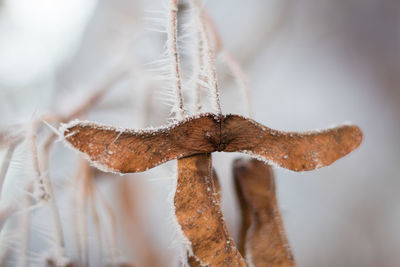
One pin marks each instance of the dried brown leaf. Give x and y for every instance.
(262, 234)
(136, 151)
(199, 214)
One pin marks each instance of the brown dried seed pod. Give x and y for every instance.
(199, 214)
(294, 151)
(262, 234)
(193, 262)
(136, 151)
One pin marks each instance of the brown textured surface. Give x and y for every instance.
(199, 214)
(262, 232)
(294, 151)
(53, 263)
(135, 151)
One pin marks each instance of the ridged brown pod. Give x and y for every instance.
(262, 237)
(199, 214)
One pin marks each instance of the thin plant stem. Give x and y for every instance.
(22, 259)
(44, 195)
(240, 77)
(96, 96)
(113, 223)
(95, 212)
(209, 63)
(4, 254)
(231, 61)
(44, 182)
(46, 188)
(89, 102)
(53, 205)
(6, 163)
(172, 47)
(75, 214)
(198, 69)
(83, 209)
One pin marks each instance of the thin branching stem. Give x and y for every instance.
(172, 46)
(43, 180)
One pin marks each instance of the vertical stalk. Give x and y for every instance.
(172, 47)
(209, 63)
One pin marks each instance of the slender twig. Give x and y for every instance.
(95, 213)
(53, 205)
(240, 77)
(88, 103)
(129, 198)
(4, 252)
(44, 182)
(172, 46)
(198, 69)
(5, 210)
(46, 188)
(209, 63)
(6, 162)
(10, 135)
(76, 216)
(97, 95)
(44, 195)
(25, 230)
(83, 173)
(231, 61)
(113, 223)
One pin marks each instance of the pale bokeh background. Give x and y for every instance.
(310, 64)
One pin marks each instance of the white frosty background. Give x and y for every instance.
(310, 64)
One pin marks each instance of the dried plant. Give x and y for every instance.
(262, 238)
(191, 140)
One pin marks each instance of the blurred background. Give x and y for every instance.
(310, 64)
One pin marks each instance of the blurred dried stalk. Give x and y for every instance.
(40, 159)
(128, 192)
